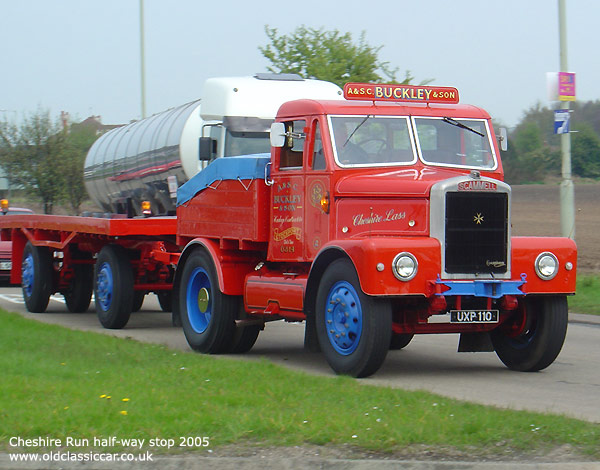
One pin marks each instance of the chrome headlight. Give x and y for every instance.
(405, 266)
(546, 266)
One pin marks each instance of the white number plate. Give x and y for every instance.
(473, 316)
(6, 265)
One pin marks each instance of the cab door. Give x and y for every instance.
(287, 196)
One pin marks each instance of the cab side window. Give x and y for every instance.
(291, 153)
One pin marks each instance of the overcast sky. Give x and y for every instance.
(83, 56)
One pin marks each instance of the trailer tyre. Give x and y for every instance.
(113, 287)
(165, 300)
(138, 300)
(79, 294)
(207, 315)
(36, 277)
(534, 339)
(354, 330)
(400, 341)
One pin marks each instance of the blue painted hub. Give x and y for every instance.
(27, 274)
(104, 286)
(343, 318)
(198, 300)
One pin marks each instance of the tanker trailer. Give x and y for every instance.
(148, 159)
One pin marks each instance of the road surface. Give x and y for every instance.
(570, 386)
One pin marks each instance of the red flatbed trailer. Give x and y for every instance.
(141, 255)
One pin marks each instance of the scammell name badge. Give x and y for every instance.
(477, 185)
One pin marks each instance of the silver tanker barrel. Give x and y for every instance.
(145, 161)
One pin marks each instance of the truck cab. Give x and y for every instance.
(382, 216)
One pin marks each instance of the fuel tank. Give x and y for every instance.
(145, 161)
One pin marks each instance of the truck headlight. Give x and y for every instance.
(405, 266)
(546, 265)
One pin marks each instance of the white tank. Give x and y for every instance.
(149, 159)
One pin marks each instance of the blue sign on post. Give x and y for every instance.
(561, 121)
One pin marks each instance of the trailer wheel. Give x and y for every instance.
(79, 294)
(36, 277)
(138, 300)
(165, 300)
(400, 341)
(534, 339)
(354, 330)
(113, 287)
(207, 315)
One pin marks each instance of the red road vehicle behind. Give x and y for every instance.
(373, 219)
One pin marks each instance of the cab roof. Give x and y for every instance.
(302, 107)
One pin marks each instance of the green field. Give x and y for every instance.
(60, 383)
(587, 299)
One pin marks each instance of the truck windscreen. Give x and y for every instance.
(455, 142)
(246, 143)
(361, 141)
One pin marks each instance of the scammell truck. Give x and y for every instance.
(372, 219)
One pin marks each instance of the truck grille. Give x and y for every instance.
(476, 233)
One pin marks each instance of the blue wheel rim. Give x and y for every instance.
(198, 300)
(343, 318)
(27, 274)
(104, 286)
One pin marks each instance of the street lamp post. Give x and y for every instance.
(567, 191)
(142, 60)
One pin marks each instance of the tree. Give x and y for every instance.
(79, 141)
(585, 152)
(327, 55)
(31, 154)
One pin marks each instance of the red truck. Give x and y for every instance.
(374, 218)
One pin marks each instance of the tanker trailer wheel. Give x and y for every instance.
(79, 293)
(113, 287)
(207, 315)
(36, 277)
(534, 339)
(354, 330)
(400, 341)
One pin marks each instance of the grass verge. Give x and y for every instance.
(61, 384)
(587, 299)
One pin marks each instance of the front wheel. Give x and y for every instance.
(533, 340)
(354, 330)
(207, 315)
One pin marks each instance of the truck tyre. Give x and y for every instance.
(79, 293)
(165, 300)
(36, 277)
(400, 341)
(354, 330)
(244, 338)
(540, 337)
(207, 315)
(113, 287)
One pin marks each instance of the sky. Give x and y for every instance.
(83, 56)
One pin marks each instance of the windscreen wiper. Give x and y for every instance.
(356, 128)
(456, 123)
